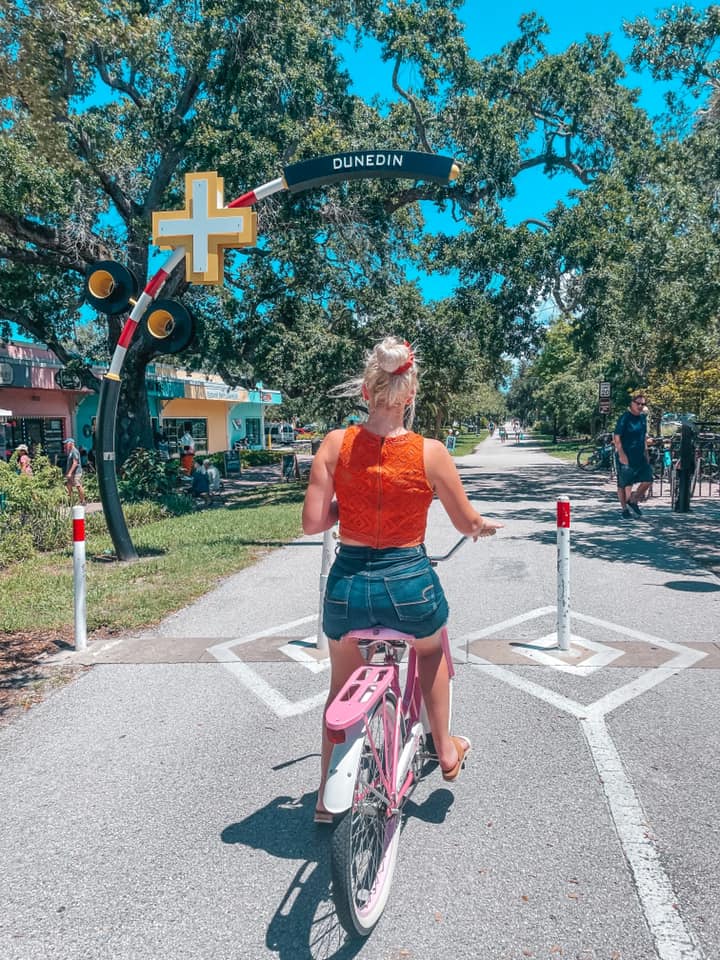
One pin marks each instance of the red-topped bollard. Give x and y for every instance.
(563, 573)
(78, 514)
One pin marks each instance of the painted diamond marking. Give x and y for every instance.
(280, 705)
(546, 652)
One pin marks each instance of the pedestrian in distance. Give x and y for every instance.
(200, 486)
(73, 471)
(23, 460)
(378, 480)
(214, 479)
(633, 466)
(187, 461)
(187, 439)
(162, 445)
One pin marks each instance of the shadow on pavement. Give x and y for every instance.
(304, 925)
(660, 538)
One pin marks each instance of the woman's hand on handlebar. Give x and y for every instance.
(488, 528)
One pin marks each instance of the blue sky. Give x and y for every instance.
(489, 27)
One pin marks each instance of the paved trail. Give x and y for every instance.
(161, 805)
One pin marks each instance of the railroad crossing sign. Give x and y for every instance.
(205, 228)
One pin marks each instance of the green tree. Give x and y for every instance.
(108, 105)
(558, 385)
(640, 246)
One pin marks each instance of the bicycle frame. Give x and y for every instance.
(347, 717)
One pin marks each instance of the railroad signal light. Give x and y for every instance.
(110, 287)
(168, 327)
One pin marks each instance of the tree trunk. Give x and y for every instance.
(133, 427)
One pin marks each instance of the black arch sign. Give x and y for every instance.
(364, 164)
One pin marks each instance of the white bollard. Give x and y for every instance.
(78, 514)
(563, 573)
(325, 564)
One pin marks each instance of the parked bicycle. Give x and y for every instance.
(600, 455)
(382, 747)
(707, 461)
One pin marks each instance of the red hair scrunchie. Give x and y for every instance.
(408, 363)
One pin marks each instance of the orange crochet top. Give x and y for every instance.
(382, 491)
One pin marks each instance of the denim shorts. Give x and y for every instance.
(634, 473)
(395, 587)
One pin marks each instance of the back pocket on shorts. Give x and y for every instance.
(412, 595)
(337, 594)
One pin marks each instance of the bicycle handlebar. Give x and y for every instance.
(451, 551)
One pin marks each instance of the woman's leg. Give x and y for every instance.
(344, 659)
(435, 686)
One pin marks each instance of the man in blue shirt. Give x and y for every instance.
(633, 464)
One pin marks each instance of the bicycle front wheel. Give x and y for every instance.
(587, 458)
(365, 842)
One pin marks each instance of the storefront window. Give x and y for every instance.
(175, 428)
(36, 432)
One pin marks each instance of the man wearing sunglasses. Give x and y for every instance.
(633, 466)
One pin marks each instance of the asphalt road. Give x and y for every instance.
(161, 805)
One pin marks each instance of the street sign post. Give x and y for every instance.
(604, 390)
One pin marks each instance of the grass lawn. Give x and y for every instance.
(466, 442)
(180, 559)
(563, 449)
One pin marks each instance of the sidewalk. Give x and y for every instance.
(250, 478)
(161, 805)
(697, 533)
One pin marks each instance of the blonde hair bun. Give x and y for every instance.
(392, 353)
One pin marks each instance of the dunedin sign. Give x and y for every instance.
(361, 164)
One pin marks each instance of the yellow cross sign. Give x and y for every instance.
(205, 228)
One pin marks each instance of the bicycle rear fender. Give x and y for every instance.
(344, 760)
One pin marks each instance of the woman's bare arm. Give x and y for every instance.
(320, 507)
(443, 476)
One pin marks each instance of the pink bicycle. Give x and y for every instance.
(382, 744)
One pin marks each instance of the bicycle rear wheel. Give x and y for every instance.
(587, 458)
(365, 842)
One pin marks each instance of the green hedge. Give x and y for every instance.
(33, 510)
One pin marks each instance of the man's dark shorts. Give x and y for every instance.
(395, 587)
(634, 473)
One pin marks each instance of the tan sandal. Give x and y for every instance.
(323, 816)
(463, 747)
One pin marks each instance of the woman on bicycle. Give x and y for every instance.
(378, 479)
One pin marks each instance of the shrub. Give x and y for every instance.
(91, 487)
(260, 458)
(145, 476)
(144, 512)
(178, 504)
(16, 543)
(34, 512)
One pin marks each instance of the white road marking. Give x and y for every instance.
(538, 651)
(108, 646)
(279, 704)
(294, 651)
(673, 940)
(272, 698)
